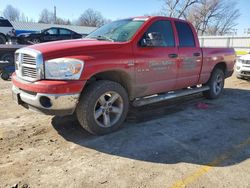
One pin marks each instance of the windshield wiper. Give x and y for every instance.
(102, 38)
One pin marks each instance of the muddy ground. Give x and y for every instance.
(173, 144)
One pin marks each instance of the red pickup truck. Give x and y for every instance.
(134, 61)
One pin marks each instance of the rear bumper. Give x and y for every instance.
(52, 98)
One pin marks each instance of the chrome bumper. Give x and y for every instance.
(50, 104)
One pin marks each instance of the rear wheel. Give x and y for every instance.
(216, 84)
(35, 41)
(103, 107)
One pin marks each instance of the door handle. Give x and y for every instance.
(197, 54)
(172, 55)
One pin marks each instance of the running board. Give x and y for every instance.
(171, 95)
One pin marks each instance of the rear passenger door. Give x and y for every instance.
(190, 56)
(65, 34)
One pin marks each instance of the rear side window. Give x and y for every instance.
(65, 32)
(5, 23)
(163, 31)
(185, 34)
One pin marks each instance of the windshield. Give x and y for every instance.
(117, 31)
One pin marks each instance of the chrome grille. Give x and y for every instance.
(27, 59)
(245, 61)
(29, 72)
(29, 64)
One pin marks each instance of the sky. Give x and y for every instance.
(110, 9)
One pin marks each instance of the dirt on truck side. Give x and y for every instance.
(161, 145)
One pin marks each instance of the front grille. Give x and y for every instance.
(29, 65)
(246, 62)
(247, 73)
(27, 59)
(29, 72)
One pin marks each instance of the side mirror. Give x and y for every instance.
(153, 39)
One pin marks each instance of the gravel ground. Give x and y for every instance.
(172, 144)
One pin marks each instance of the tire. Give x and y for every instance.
(2, 39)
(5, 76)
(216, 84)
(35, 41)
(103, 107)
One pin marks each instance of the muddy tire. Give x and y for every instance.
(2, 39)
(216, 84)
(103, 107)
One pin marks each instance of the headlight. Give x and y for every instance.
(63, 69)
(239, 61)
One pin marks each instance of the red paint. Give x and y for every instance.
(50, 87)
(102, 56)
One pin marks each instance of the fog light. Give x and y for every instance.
(45, 102)
(238, 67)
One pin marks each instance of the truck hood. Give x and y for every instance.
(245, 57)
(76, 47)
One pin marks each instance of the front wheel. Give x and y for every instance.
(216, 84)
(103, 107)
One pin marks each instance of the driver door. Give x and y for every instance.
(156, 59)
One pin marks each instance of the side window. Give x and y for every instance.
(52, 31)
(5, 23)
(185, 34)
(65, 32)
(159, 34)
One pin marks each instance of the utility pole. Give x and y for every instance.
(54, 14)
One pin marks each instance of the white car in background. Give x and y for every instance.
(243, 67)
(6, 30)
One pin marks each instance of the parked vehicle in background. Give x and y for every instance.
(135, 61)
(6, 30)
(47, 35)
(7, 65)
(243, 67)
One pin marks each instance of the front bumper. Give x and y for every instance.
(242, 70)
(47, 96)
(49, 104)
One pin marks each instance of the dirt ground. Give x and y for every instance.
(172, 144)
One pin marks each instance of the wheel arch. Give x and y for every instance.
(221, 65)
(118, 76)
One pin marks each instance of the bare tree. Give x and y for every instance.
(46, 16)
(225, 23)
(11, 13)
(177, 8)
(210, 17)
(214, 17)
(92, 18)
